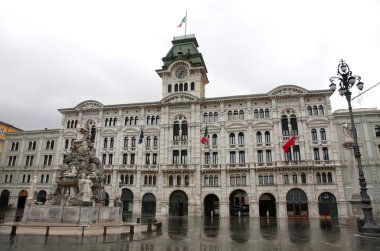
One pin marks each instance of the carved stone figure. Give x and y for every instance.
(346, 131)
(81, 175)
(33, 188)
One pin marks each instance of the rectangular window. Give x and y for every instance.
(104, 157)
(232, 157)
(175, 157)
(241, 157)
(286, 179)
(268, 156)
(132, 159)
(207, 158)
(125, 158)
(260, 156)
(154, 158)
(296, 153)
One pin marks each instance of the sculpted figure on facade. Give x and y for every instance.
(347, 136)
(33, 188)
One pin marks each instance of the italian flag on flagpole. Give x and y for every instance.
(183, 21)
(204, 138)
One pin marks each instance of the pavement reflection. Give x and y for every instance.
(213, 233)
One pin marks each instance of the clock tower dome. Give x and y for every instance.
(183, 71)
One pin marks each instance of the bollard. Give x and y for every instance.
(13, 231)
(149, 225)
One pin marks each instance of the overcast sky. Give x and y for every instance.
(56, 54)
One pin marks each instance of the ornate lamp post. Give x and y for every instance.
(346, 80)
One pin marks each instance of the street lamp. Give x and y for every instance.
(346, 80)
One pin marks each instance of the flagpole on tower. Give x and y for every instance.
(186, 24)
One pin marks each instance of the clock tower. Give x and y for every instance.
(183, 70)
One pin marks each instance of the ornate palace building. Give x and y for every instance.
(155, 163)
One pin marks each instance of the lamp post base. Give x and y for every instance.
(368, 227)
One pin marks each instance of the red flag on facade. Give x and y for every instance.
(291, 142)
(204, 138)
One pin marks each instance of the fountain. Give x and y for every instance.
(77, 195)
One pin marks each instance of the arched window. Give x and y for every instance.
(126, 122)
(303, 178)
(293, 124)
(154, 122)
(329, 177)
(111, 142)
(68, 124)
(315, 110)
(192, 86)
(176, 88)
(215, 116)
(377, 131)
(131, 179)
(170, 180)
(261, 113)
(180, 87)
(267, 115)
(321, 112)
(155, 141)
(324, 178)
(66, 143)
(236, 115)
(256, 114)
(309, 111)
(47, 145)
(42, 178)
(323, 134)
(187, 180)
(184, 130)
(150, 180)
(185, 87)
(114, 121)
(294, 176)
(147, 142)
(105, 142)
(205, 117)
(132, 121)
(285, 125)
(241, 138)
(148, 120)
(133, 142)
(259, 138)
(126, 142)
(214, 139)
(314, 136)
(210, 117)
(146, 180)
(154, 180)
(178, 180)
(176, 130)
(136, 120)
(229, 115)
(267, 137)
(47, 178)
(241, 114)
(169, 88)
(52, 145)
(232, 138)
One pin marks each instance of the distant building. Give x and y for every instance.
(367, 123)
(5, 128)
(154, 160)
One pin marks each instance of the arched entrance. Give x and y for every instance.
(296, 203)
(267, 205)
(148, 205)
(239, 202)
(178, 203)
(127, 200)
(327, 205)
(41, 197)
(211, 205)
(22, 196)
(4, 200)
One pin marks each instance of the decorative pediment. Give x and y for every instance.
(287, 90)
(89, 105)
(179, 98)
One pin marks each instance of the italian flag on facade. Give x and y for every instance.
(183, 21)
(205, 135)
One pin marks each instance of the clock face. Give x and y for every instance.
(181, 72)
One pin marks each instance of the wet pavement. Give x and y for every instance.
(211, 234)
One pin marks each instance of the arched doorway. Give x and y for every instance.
(296, 203)
(239, 202)
(4, 201)
(127, 200)
(211, 205)
(41, 197)
(22, 196)
(4, 198)
(148, 205)
(178, 204)
(327, 205)
(267, 205)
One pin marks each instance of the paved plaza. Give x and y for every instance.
(206, 234)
